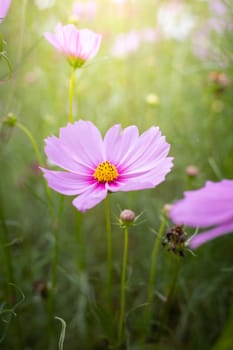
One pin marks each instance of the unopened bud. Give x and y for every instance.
(192, 171)
(10, 120)
(127, 216)
(167, 207)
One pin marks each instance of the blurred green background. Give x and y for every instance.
(163, 70)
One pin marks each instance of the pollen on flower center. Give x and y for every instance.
(106, 172)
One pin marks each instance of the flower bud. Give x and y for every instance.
(167, 207)
(127, 216)
(192, 171)
(10, 120)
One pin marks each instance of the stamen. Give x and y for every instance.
(106, 172)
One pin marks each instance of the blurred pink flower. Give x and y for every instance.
(218, 7)
(125, 44)
(4, 7)
(150, 35)
(209, 206)
(94, 166)
(174, 20)
(78, 46)
(85, 10)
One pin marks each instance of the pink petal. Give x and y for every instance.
(66, 183)
(204, 237)
(90, 198)
(119, 142)
(205, 207)
(4, 7)
(84, 141)
(66, 157)
(149, 148)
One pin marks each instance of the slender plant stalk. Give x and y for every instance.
(9, 289)
(81, 264)
(32, 140)
(21, 30)
(170, 295)
(55, 229)
(109, 249)
(153, 267)
(123, 287)
(71, 92)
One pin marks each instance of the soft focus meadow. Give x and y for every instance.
(94, 276)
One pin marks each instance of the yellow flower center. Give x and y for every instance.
(106, 172)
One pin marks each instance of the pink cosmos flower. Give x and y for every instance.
(125, 44)
(94, 166)
(78, 46)
(209, 206)
(4, 6)
(84, 10)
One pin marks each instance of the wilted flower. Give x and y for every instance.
(4, 7)
(209, 206)
(219, 80)
(174, 240)
(121, 161)
(78, 46)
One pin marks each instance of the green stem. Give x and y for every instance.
(71, 92)
(22, 30)
(29, 135)
(170, 295)
(9, 289)
(80, 241)
(109, 249)
(55, 229)
(51, 299)
(153, 267)
(123, 287)
(32, 140)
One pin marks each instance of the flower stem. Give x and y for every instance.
(32, 140)
(55, 229)
(109, 249)
(153, 266)
(10, 279)
(170, 295)
(71, 92)
(22, 30)
(51, 297)
(80, 241)
(123, 286)
(29, 135)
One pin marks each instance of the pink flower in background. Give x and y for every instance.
(78, 46)
(94, 166)
(174, 20)
(125, 44)
(209, 206)
(150, 35)
(84, 10)
(4, 7)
